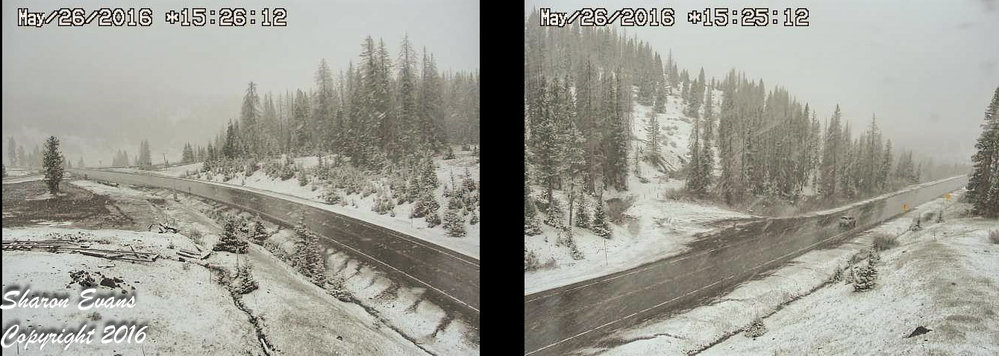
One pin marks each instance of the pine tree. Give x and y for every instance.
(259, 232)
(865, 276)
(230, 241)
(983, 185)
(324, 115)
(311, 261)
(454, 223)
(426, 206)
(830, 157)
(884, 173)
(600, 225)
(187, 156)
(531, 227)
(301, 135)
(727, 135)
(696, 181)
(431, 109)
(707, 165)
(554, 215)
(12, 152)
(21, 160)
(543, 140)
(249, 120)
(582, 216)
(145, 159)
(52, 164)
(408, 112)
(662, 95)
(653, 139)
(243, 281)
(615, 139)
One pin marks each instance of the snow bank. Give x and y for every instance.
(311, 194)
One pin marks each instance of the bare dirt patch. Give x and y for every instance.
(74, 207)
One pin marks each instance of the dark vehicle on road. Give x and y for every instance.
(847, 222)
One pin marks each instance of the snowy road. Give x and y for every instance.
(563, 319)
(451, 279)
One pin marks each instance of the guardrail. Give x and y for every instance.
(450, 278)
(560, 320)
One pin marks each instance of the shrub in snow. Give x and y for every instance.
(456, 199)
(530, 260)
(873, 255)
(554, 214)
(259, 232)
(249, 169)
(333, 196)
(566, 239)
(994, 236)
(469, 184)
(450, 153)
(303, 179)
(428, 177)
(474, 219)
(287, 169)
(245, 230)
(412, 190)
(916, 225)
(755, 329)
(433, 219)
(337, 288)
(425, 206)
(367, 189)
(837, 275)
(229, 242)
(600, 226)
(531, 226)
(454, 223)
(471, 201)
(309, 259)
(243, 282)
(884, 241)
(383, 205)
(864, 276)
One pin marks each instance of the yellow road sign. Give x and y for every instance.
(947, 196)
(905, 207)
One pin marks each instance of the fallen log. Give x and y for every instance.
(188, 255)
(100, 254)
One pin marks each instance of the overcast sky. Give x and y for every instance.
(926, 68)
(103, 89)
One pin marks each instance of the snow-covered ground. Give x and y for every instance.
(312, 194)
(22, 178)
(210, 323)
(655, 225)
(944, 277)
(403, 308)
(18, 172)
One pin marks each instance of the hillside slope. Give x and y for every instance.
(652, 224)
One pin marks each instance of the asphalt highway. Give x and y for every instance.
(561, 320)
(451, 279)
